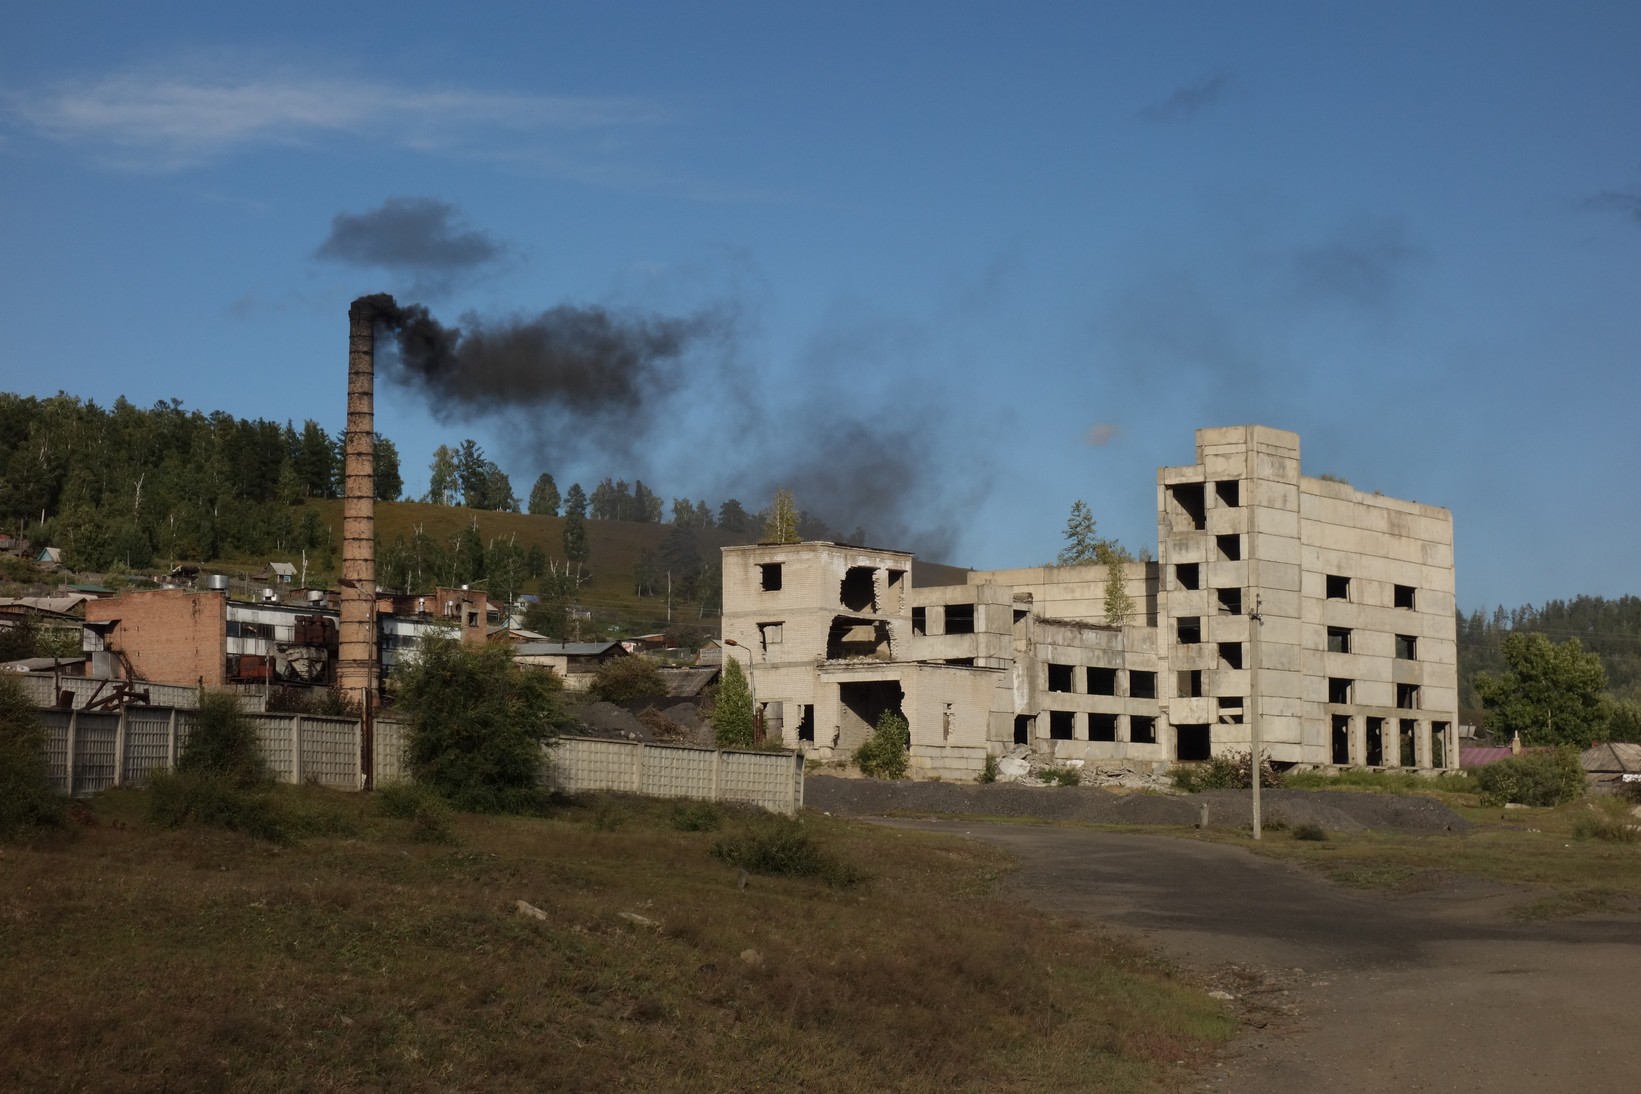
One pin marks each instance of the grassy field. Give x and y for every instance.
(139, 958)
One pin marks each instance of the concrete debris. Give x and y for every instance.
(528, 910)
(752, 957)
(1021, 765)
(639, 921)
(1224, 995)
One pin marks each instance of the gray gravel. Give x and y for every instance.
(1333, 810)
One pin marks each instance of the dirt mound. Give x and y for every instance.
(1333, 810)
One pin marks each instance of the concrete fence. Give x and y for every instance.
(91, 751)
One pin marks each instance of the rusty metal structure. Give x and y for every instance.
(357, 676)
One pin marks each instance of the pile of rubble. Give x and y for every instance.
(1024, 767)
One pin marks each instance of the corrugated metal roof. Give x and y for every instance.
(1481, 757)
(1612, 756)
(687, 683)
(562, 649)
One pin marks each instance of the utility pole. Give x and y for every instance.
(1258, 621)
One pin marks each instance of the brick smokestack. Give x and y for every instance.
(356, 671)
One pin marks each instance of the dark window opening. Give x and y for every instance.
(1438, 744)
(1188, 629)
(969, 661)
(861, 704)
(1142, 685)
(850, 637)
(1230, 710)
(1338, 639)
(1192, 743)
(1062, 725)
(1408, 751)
(858, 591)
(769, 576)
(1230, 547)
(1190, 501)
(959, 618)
(896, 583)
(1407, 696)
(806, 722)
(920, 621)
(1376, 742)
(1230, 655)
(1404, 596)
(1229, 492)
(1339, 690)
(1102, 727)
(1230, 601)
(1341, 739)
(1189, 575)
(1102, 681)
(1022, 729)
(1059, 677)
(1190, 683)
(1338, 587)
(1142, 730)
(1407, 648)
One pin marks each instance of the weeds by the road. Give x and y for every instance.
(135, 956)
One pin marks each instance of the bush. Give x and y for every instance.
(210, 798)
(479, 725)
(222, 741)
(1542, 778)
(732, 717)
(1061, 776)
(697, 816)
(434, 820)
(1313, 833)
(782, 847)
(622, 679)
(1607, 819)
(988, 773)
(1227, 771)
(887, 752)
(28, 797)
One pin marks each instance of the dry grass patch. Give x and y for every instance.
(135, 958)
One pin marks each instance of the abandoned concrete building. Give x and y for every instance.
(1323, 612)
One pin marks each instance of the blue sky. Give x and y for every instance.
(1022, 251)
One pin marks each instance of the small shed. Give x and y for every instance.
(576, 662)
(1611, 764)
(282, 572)
(50, 557)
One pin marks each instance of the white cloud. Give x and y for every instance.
(159, 121)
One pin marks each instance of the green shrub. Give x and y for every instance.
(783, 847)
(1607, 819)
(433, 819)
(1061, 776)
(1227, 771)
(621, 679)
(188, 797)
(887, 752)
(697, 816)
(222, 741)
(1540, 778)
(1313, 833)
(732, 713)
(988, 773)
(28, 797)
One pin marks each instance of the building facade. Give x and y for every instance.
(1314, 614)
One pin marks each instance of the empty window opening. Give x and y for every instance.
(769, 634)
(1192, 743)
(806, 722)
(969, 661)
(1188, 629)
(1102, 681)
(1062, 725)
(1407, 696)
(1339, 690)
(1102, 727)
(1230, 710)
(858, 592)
(920, 621)
(1229, 492)
(1230, 547)
(1376, 742)
(1188, 575)
(860, 704)
(1230, 601)
(1341, 739)
(1059, 677)
(896, 582)
(1407, 648)
(1022, 729)
(1404, 596)
(1438, 744)
(1338, 587)
(769, 576)
(1142, 729)
(1190, 683)
(850, 637)
(1190, 504)
(1142, 685)
(1338, 639)
(959, 618)
(1230, 655)
(1405, 737)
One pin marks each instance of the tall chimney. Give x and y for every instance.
(356, 674)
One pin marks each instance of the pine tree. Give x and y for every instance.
(575, 502)
(1082, 543)
(442, 482)
(575, 538)
(544, 499)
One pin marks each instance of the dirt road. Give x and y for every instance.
(1347, 991)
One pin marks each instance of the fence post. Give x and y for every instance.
(171, 742)
(296, 749)
(119, 748)
(717, 774)
(73, 727)
(638, 768)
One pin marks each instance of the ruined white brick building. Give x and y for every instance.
(1322, 612)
